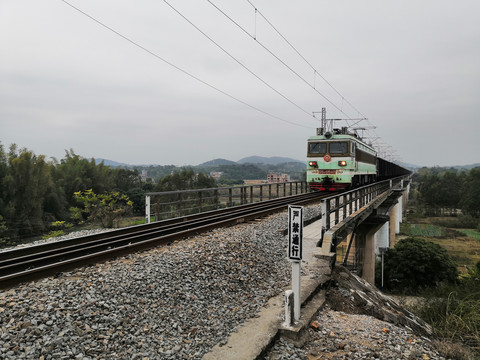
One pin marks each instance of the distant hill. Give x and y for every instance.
(466, 167)
(111, 163)
(408, 165)
(275, 160)
(217, 162)
(455, 167)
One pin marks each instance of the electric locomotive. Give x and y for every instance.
(339, 160)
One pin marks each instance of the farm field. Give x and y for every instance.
(463, 245)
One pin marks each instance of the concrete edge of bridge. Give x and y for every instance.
(255, 337)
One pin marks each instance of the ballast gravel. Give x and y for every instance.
(59, 238)
(343, 336)
(172, 302)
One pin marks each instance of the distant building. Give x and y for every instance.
(273, 178)
(216, 174)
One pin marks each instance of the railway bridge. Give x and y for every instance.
(349, 228)
(353, 229)
(359, 225)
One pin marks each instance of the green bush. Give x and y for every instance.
(106, 208)
(54, 233)
(415, 264)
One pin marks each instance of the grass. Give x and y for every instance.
(453, 311)
(463, 245)
(475, 234)
(464, 250)
(423, 230)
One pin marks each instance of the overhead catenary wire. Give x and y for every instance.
(236, 60)
(304, 59)
(371, 134)
(124, 37)
(254, 37)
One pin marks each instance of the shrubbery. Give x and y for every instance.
(454, 311)
(415, 264)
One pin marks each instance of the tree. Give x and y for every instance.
(125, 179)
(26, 183)
(137, 196)
(471, 193)
(185, 180)
(450, 190)
(430, 189)
(103, 208)
(75, 173)
(414, 264)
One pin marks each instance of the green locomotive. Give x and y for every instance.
(339, 160)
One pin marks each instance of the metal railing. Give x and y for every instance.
(337, 208)
(170, 204)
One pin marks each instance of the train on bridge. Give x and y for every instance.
(339, 160)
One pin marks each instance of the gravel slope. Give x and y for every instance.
(174, 302)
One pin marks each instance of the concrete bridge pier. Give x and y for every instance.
(356, 240)
(379, 230)
(392, 214)
(369, 233)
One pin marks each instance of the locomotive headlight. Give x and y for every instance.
(312, 163)
(342, 163)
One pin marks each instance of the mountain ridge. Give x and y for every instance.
(274, 160)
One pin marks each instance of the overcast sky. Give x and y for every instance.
(154, 90)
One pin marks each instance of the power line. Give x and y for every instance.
(254, 37)
(372, 133)
(304, 59)
(180, 69)
(235, 59)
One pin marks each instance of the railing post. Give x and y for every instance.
(324, 215)
(230, 203)
(337, 210)
(179, 205)
(147, 209)
(200, 201)
(251, 194)
(157, 209)
(261, 192)
(269, 191)
(350, 205)
(216, 199)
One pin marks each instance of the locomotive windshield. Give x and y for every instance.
(338, 148)
(318, 148)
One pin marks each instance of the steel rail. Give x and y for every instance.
(38, 261)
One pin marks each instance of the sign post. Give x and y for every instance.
(295, 237)
(147, 209)
(383, 250)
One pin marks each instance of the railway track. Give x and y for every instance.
(34, 262)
